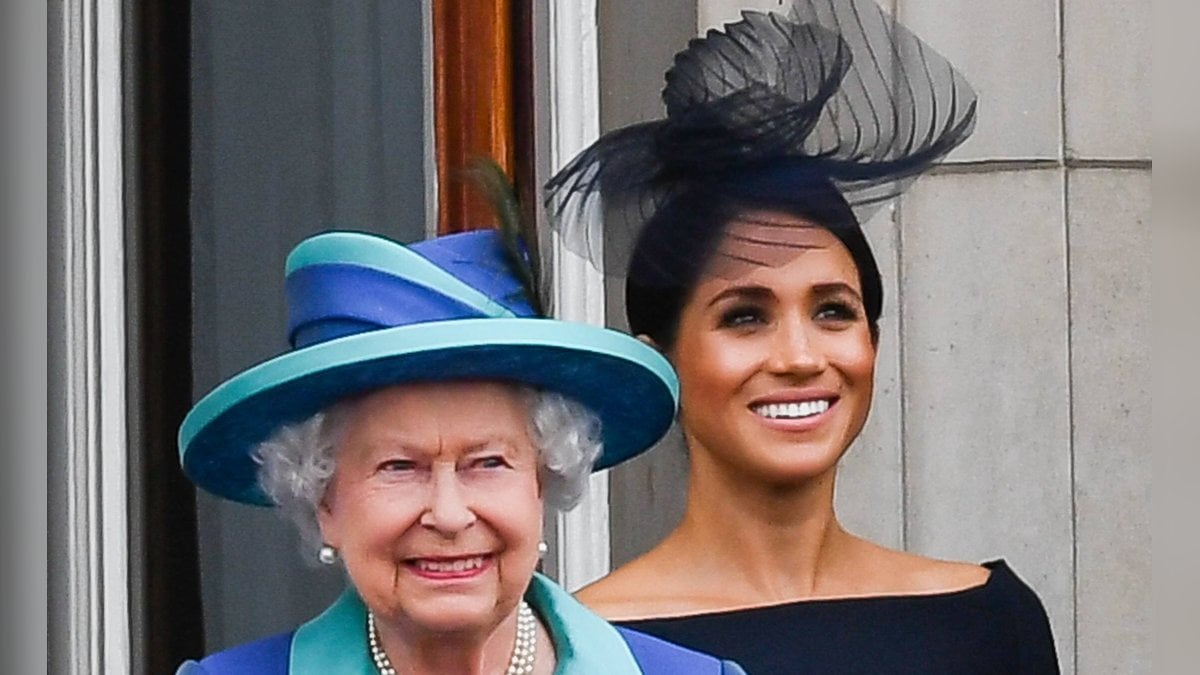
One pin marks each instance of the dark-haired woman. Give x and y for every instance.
(752, 275)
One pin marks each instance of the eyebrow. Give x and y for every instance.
(401, 444)
(756, 292)
(508, 444)
(749, 291)
(833, 287)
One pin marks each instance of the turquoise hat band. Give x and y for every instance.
(613, 374)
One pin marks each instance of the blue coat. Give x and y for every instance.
(335, 643)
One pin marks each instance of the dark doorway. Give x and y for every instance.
(164, 564)
(229, 169)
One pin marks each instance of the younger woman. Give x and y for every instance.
(752, 275)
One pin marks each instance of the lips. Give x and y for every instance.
(794, 410)
(442, 567)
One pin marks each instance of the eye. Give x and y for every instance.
(397, 466)
(837, 312)
(490, 462)
(742, 316)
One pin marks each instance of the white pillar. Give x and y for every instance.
(582, 553)
(92, 634)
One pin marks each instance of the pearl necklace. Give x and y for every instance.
(524, 649)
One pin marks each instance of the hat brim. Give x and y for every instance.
(628, 385)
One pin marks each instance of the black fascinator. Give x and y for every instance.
(828, 111)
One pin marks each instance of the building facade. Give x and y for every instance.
(1013, 392)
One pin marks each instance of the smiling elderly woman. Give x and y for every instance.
(415, 432)
(431, 495)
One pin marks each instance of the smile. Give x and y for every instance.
(792, 411)
(449, 568)
(460, 565)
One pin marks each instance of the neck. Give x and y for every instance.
(772, 541)
(465, 652)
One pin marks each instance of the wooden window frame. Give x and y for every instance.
(483, 103)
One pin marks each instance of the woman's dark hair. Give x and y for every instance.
(679, 240)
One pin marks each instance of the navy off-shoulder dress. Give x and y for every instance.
(998, 627)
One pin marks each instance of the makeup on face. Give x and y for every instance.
(776, 364)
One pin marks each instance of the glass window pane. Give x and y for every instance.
(307, 115)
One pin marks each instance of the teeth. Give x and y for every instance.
(792, 410)
(460, 565)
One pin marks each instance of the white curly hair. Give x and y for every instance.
(297, 462)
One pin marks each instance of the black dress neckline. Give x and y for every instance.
(997, 627)
(998, 570)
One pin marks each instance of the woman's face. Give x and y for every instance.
(435, 506)
(776, 363)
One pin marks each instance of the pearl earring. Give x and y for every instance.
(542, 548)
(327, 554)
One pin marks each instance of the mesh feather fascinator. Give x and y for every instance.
(835, 105)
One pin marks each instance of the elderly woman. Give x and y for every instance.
(752, 275)
(414, 433)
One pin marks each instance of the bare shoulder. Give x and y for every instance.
(639, 589)
(620, 595)
(911, 573)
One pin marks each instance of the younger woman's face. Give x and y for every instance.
(776, 363)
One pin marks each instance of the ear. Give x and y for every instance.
(646, 339)
(650, 342)
(327, 523)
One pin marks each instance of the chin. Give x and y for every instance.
(795, 476)
(793, 466)
(456, 615)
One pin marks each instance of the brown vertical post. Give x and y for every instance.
(473, 103)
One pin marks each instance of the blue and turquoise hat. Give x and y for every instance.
(366, 312)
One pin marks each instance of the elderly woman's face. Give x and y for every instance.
(435, 504)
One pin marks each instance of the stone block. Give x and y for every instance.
(870, 497)
(1106, 61)
(987, 438)
(1009, 52)
(1110, 382)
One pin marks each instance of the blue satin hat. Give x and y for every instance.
(366, 312)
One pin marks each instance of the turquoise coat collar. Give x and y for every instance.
(336, 641)
(584, 643)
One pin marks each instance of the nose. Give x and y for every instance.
(795, 350)
(448, 511)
